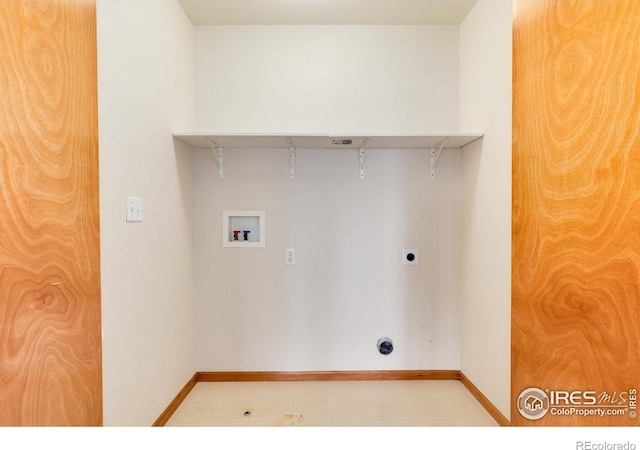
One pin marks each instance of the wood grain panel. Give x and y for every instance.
(50, 335)
(576, 205)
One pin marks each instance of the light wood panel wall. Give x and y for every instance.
(50, 335)
(576, 203)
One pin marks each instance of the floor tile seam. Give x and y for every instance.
(458, 395)
(241, 421)
(231, 394)
(315, 395)
(425, 392)
(275, 398)
(388, 395)
(336, 416)
(396, 421)
(308, 402)
(191, 414)
(237, 397)
(374, 411)
(257, 407)
(259, 412)
(439, 412)
(405, 402)
(479, 412)
(351, 423)
(234, 409)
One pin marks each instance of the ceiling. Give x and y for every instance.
(326, 12)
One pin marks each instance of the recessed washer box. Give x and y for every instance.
(243, 229)
(410, 257)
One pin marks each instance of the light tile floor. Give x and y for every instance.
(421, 403)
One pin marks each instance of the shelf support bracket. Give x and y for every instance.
(219, 156)
(292, 158)
(435, 156)
(362, 149)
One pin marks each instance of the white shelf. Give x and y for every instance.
(224, 140)
(217, 142)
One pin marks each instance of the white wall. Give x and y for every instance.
(306, 79)
(485, 104)
(348, 287)
(145, 77)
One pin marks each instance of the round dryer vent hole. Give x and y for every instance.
(385, 345)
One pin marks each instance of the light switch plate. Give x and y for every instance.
(134, 209)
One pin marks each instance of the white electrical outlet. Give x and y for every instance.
(134, 209)
(290, 257)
